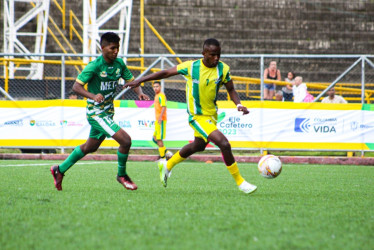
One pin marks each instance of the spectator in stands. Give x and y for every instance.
(300, 91)
(271, 73)
(73, 95)
(279, 96)
(287, 90)
(332, 98)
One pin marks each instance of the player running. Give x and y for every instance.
(160, 122)
(204, 78)
(101, 77)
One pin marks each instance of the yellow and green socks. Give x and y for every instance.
(234, 171)
(161, 151)
(75, 156)
(177, 158)
(122, 159)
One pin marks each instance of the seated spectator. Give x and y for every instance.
(332, 98)
(279, 96)
(287, 90)
(300, 91)
(271, 73)
(73, 95)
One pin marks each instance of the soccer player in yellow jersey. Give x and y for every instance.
(161, 118)
(204, 78)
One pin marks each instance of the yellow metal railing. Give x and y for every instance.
(72, 29)
(62, 9)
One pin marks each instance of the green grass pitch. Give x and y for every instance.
(306, 207)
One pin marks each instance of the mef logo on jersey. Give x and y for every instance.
(108, 85)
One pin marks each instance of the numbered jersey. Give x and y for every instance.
(102, 77)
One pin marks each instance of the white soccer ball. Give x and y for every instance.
(270, 166)
(168, 154)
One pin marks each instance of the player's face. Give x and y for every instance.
(211, 55)
(110, 51)
(157, 88)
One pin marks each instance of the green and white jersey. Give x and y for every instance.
(102, 77)
(202, 86)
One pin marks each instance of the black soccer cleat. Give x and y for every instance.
(57, 176)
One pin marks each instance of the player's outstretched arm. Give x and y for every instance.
(155, 76)
(235, 97)
(141, 95)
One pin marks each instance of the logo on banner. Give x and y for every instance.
(42, 123)
(65, 123)
(146, 124)
(356, 125)
(124, 124)
(316, 125)
(231, 125)
(302, 125)
(13, 123)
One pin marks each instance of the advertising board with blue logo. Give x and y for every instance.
(270, 125)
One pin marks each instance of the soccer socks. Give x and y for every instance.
(122, 159)
(234, 171)
(177, 158)
(161, 151)
(75, 156)
(153, 139)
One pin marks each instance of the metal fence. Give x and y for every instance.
(352, 75)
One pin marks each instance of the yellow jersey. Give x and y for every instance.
(202, 85)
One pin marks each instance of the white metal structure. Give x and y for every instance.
(12, 33)
(92, 25)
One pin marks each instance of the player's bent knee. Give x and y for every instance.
(224, 145)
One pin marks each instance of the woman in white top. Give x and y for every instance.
(299, 89)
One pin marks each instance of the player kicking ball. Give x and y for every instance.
(160, 123)
(101, 77)
(204, 78)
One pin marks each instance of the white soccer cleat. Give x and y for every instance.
(247, 187)
(164, 172)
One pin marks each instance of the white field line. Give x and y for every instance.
(49, 164)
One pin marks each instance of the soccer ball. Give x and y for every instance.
(270, 166)
(168, 154)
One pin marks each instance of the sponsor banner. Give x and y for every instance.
(269, 125)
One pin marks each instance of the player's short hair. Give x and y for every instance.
(211, 41)
(109, 37)
(156, 82)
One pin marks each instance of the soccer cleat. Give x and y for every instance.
(164, 172)
(57, 176)
(127, 182)
(247, 187)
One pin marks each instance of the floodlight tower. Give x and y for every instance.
(92, 25)
(12, 32)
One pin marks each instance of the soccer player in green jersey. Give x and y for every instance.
(204, 78)
(101, 77)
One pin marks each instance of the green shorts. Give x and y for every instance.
(102, 126)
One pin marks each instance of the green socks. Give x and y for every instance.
(75, 156)
(122, 159)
